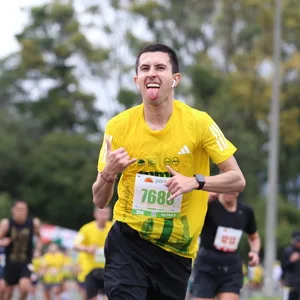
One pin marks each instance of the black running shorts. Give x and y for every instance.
(136, 269)
(94, 283)
(221, 279)
(14, 272)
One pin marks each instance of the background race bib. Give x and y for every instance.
(99, 255)
(227, 239)
(151, 198)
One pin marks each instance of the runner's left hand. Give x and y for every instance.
(253, 259)
(180, 184)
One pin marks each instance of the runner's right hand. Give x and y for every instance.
(116, 161)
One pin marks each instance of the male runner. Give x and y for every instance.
(90, 242)
(162, 148)
(218, 267)
(17, 235)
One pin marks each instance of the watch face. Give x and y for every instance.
(200, 178)
(201, 181)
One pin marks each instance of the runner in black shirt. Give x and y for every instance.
(218, 266)
(16, 235)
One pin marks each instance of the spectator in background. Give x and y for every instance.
(290, 263)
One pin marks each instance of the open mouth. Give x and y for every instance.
(153, 89)
(153, 86)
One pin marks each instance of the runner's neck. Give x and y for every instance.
(158, 116)
(230, 206)
(100, 226)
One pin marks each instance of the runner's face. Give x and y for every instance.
(53, 248)
(155, 77)
(102, 215)
(20, 212)
(229, 197)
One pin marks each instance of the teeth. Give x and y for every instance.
(155, 85)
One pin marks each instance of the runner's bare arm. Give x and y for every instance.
(80, 246)
(37, 234)
(230, 180)
(102, 191)
(254, 242)
(116, 162)
(4, 226)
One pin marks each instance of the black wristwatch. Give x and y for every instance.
(201, 180)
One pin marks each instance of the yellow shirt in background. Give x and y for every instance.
(91, 235)
(53, 263)
(80, 263)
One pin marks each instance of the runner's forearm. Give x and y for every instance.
(254, 244)
(39, 244)
(230, 181)
(103, 190)
(81, 248)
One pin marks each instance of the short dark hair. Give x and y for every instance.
(18, 201)
(159, 48)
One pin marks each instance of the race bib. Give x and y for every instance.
(99, 255)
(227, 239)
(151, 198)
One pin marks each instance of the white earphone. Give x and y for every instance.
(138, 86)
(174, 83)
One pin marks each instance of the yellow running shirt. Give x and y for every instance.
(53, 262)
(90, 235)
(187, 142)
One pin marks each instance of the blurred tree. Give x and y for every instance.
(59, 175)
(5, 205)
(288, 222)
(17, 138)
(43, 77)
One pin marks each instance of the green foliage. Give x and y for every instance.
(128, 98)
(288, 221)
(5, 205)
(58, 180)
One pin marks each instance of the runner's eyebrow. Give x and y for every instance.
(155, 65)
